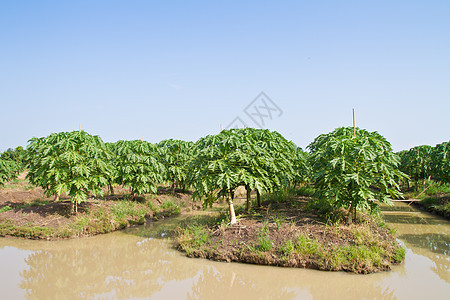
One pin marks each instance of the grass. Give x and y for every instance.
(355, 248)
(263, 241)
(5, 208)
(306, 191)
(279, 196)
(25, 231)
(438, 205)
(169, 207)
(193, 237)
(100, 220)
(430, 189)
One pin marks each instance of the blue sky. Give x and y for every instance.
(179, 69)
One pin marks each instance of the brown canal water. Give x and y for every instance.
(139, 264)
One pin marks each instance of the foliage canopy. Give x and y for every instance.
(352, 171)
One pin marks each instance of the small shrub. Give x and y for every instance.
(171, 207)
(279, 196)
(264, 242)
(5, 208)
(279, 220)
(399, 254)
(306, 246)
(306, 191)
(287, 248)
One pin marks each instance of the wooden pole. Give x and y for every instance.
(354, 123)
(79, 128)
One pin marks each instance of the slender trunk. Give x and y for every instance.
(74, 207)
(173, 187)
(249, 199)
(111, 190)
(232, 213)
(56, 198)
(349, 217)
(258, 198)
(354, 214)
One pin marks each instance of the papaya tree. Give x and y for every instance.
(254, 158)
(176, 156)
(417, 163)
(280, 160)
(76, 163)
(441, 162)
(352, 170)
(16, 155)
(301, 166)
(8, 170)
(114, 162)
(138, 167)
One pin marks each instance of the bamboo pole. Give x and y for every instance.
(354, 123)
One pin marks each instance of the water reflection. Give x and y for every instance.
(111, 266)
(137, 263)
(426, 234)
(435, 242)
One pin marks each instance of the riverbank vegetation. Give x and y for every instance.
(26, 212)
(429, 177)
(291, 231)
(316, 208)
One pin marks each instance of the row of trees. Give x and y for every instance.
(350, 167)
(423, 163)
(11, 164)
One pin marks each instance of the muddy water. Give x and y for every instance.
(138, 263)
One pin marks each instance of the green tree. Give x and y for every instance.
(73, 162)
(16, 155)
(441, 162)
(352, 170)
(8, 170)
(417, 163)
(138, 167)
(176, 156)
(115, 162)
(257, 159)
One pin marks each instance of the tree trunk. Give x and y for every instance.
(111, 190)
(232, 213)
(74, 207)
(56, 198)
(349, 217)
(258, 198)
(173, 187)
(249, 199)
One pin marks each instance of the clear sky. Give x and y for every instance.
(179, 69)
